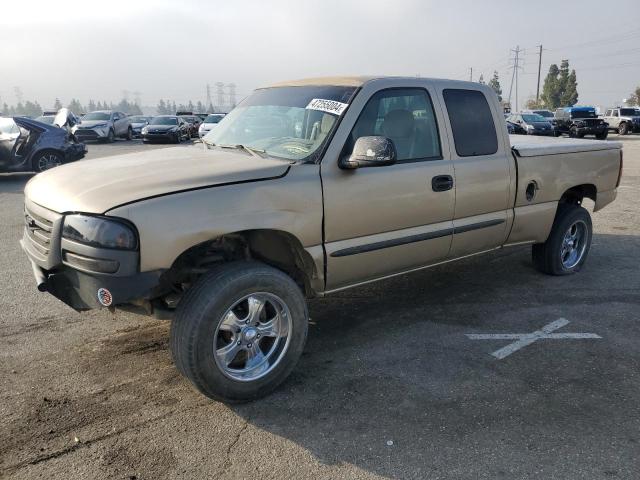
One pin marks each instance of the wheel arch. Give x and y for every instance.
(576, 194)
(277, 248)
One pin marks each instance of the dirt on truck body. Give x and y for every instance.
(306, 188)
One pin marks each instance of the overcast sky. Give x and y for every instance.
(172, 49)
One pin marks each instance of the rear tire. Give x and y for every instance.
(210, 336)
(568, 244)
(46, 160)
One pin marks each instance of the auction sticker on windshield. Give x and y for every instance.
(329, 106)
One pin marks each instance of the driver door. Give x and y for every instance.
(387, 220)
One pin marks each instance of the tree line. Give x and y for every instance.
(34, 109)
(169, 107)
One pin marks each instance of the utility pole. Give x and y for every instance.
(471, 74)
(539, 68)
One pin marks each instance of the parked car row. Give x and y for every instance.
(576, 122)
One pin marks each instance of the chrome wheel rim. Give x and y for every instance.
(574, 244)
(47, 161)
(252, 336)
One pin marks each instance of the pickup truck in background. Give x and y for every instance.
(306, 188)
(580, 121)
(623, 120)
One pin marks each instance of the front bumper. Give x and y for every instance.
(544, 133)
(72, 272)
(91, 133)
(80, 289)
(595, 130)
(160, 137)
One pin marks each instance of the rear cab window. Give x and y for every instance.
(474, 131)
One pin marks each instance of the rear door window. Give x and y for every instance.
(474, 132)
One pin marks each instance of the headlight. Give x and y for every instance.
(99, 232)
(145, 129)
(101, 125)
(530, 127)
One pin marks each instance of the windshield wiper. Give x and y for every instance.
(253, 151)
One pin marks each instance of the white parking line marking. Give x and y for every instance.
(524, 339)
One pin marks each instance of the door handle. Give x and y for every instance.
(442, 183)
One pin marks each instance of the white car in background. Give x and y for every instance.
(209, 123)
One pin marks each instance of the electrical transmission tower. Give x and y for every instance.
(232, 94)
(514, 75)
(209, 105)
(220, 94)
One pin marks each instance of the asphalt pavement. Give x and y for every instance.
(397, 380)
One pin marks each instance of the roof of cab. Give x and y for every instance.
(347, 81)
(358, 81)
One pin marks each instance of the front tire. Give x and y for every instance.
(568, 244)
(239, 331)
(111, 137)
(603, 135)
(129, 134)
(623, 129)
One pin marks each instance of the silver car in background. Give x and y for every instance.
(104, 125)
(209, 123)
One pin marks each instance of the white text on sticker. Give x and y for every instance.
(329, 106)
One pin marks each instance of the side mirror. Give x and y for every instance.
(374, 151)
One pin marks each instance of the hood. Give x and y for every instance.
(138, 124)
(541, 124)
(95, 186)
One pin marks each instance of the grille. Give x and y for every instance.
(41, 232)
(592, 122)
(86, 134)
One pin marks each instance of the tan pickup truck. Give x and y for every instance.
(306, 188)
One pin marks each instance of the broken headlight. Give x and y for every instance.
(99, 232)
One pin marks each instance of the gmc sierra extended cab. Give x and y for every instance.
(306, 188)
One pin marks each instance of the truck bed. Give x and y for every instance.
(531, 146)
(552, 166)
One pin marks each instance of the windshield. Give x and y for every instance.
(97, 116)
(213, 118)
(533, 118)
(626, 112)
(284, 122)
(164, 121)
(45, 119)
(583, 114)
(138, 119)
(544, 113)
